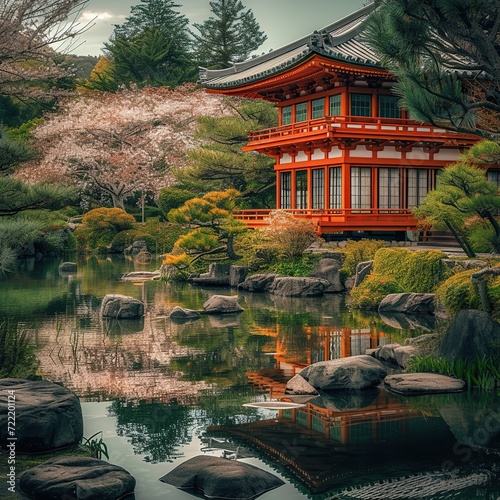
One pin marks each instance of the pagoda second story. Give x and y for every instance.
(346, 154)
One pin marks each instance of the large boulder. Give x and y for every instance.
(221, 478)
(471, 334)
(48, 416)
(222, 304)
(218, 275)
(258, 283)
(121, 307)
(287, 286)
(76, 477)
(329, 269)
(237, 275)
(408, 303)
(423, 383)
(355, 372)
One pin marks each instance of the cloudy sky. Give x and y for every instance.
(283, 21)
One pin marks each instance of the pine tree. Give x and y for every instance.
(228, 37)
(446, 56)
(152, 47)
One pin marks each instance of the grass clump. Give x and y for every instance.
(17, 350)
(483, 372)
(372, 290)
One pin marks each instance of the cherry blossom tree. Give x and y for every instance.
(121, 143)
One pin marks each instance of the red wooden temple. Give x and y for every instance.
(346, 155)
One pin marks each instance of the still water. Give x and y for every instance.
(163, 392)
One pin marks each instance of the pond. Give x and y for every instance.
(162, 392)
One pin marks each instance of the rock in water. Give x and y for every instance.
(48, 416)
(75, 478)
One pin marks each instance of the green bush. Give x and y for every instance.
(484, 239)
(416, 271)
(159, 236)
(297, 266)
(458, 292)
(172, 197)
(358, 251)
(372, 290)
(149, 213)
(100, 226)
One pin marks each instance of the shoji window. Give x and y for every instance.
(286, 190)
(336, 187)
(361, 187)
(301, 188)
(318, 188)
(418, 186)
(388, 188)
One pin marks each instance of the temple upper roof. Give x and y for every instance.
(342, 41)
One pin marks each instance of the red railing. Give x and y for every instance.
(367, 126)
(397, 219)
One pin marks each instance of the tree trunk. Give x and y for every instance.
(461, 240)
(118, 201)
(230, 249)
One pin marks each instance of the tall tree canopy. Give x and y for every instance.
(228, 37)
(219, 163)
(29, 66)
(446, 56)
(152, 46)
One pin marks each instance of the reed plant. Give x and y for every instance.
(17, 350)
(482, 372)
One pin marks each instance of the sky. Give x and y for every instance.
(283, 21)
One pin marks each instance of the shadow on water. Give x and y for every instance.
(174, 390)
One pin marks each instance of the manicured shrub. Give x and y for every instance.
(372, 290)
(416, 271)
(101, 225)
(458, 292)
(358, 251)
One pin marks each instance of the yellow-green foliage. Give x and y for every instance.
(416, 271)
(101, 225)
(372, 290)
(200, 239)
(359, 251)
(458, 292)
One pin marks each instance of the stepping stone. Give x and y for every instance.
(222, 478)
(423, 383)
(76, 477)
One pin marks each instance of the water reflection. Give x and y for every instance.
(172, 386)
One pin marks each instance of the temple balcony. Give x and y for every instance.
(350, 130)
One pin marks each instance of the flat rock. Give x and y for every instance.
(48, 416)
(222, 304)
(355, 372)
(298, 385)
(142, 276)
(75, 478)
(222, 478)
(121, 307)
(408, 303)
(423, 383)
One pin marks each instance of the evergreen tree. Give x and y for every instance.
(446, 56)
(152, 46)
(228, 37)
(221, 164)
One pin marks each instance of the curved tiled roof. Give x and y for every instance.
(343, 41)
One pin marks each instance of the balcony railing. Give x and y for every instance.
(341, 219)
(368, 127)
